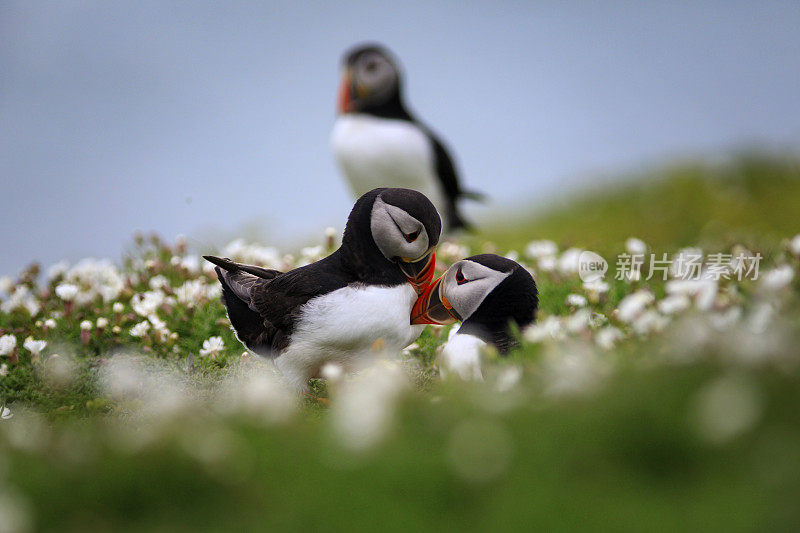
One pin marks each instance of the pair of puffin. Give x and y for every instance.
(376, 286)
(377, 142)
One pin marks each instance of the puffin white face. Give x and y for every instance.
(370, 79)
(457, 294)
(403, 239)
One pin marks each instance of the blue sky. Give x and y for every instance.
(212, 119)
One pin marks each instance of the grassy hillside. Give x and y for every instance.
(752, 200)
(650, 406)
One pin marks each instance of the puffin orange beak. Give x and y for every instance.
(344, 102)
(419, 272)
(433, 308)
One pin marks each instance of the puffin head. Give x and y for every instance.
(370, 79)
(486, 292)
(391, 228)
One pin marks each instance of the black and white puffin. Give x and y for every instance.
(487, 293)
(378, 143)
(337, 308)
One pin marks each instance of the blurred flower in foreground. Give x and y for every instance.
(212, 347)
(726, 408)
(479, 450)
(7, 344)
(777, 279)
(5, 413)
(794, 245)
(255, 388)
(363, 409)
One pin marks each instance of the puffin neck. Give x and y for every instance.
(393, 108)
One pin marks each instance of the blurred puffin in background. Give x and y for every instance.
(337, 309)
(378, 143)
(489, 295)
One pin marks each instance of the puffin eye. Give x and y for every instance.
(460, 279)
(411, 237)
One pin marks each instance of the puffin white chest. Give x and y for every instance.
(343, 327)
(378, 152)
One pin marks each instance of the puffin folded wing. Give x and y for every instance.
(238, 287)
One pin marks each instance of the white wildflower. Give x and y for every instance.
(5, 413)
(794, 245)
(238, 250)
(607, 337)
(649, 321)
(674, 303)
(548, 329)
(86, 325)
(21, 297)
(6, 284)
(513, 255)
(7, 344)
(579, 321)
(158, 282)
(635, 246)
(702, 291)
(212, 347)
(158, 324)
(596, 286)
(547, 264)
(330, 232)
(117, 307)
(540, 249)
(3, 369)
(633, 305)
(191, 263)
(102, 322)
(777, 279)
(727, 318)
(192, 292)
(50, 323)
(451, 251)
(32, 305)
(67, 291)
(140, 329)
(146, 303)
(576, 300)
(57, 270)
(34, 346)
(569, 261)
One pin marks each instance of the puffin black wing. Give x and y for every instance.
(446, 171)
(264, 304)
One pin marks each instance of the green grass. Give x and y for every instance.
(628, 455)
(753, 200)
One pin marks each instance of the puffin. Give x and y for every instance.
(377, 142)
(347, 306)
(490, 295)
